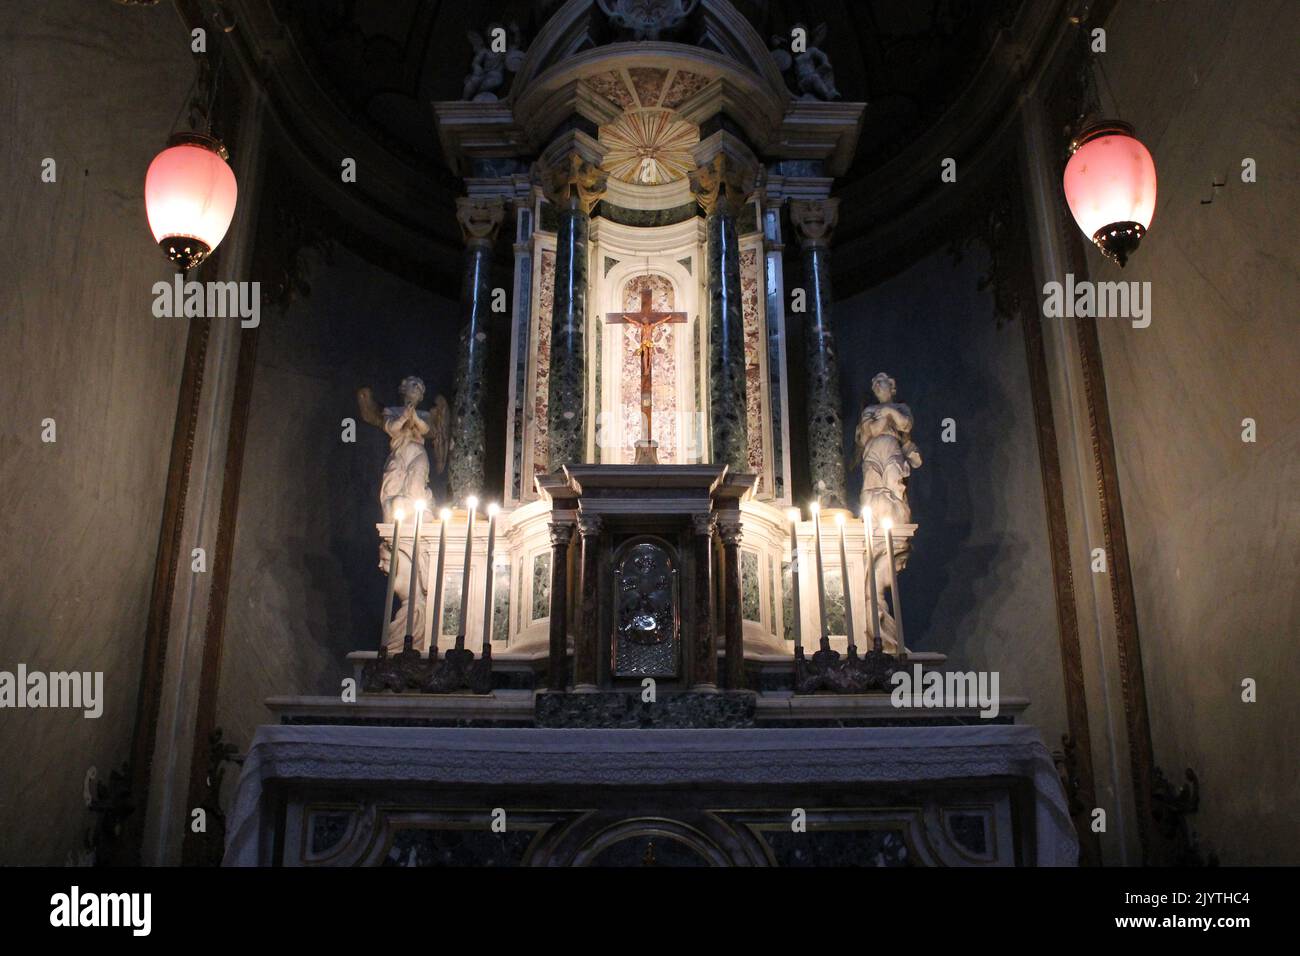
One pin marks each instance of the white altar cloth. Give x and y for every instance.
(745, 757)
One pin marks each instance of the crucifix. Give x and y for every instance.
(648, 320)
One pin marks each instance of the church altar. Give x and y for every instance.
(929, 796)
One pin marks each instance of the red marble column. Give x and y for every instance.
(586, 643)
(706, 656)
(729, 531)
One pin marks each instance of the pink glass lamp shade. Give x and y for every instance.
(189, 195)
(1110, 184)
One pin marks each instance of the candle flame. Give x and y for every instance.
(839, 520)
(815, 507)
(887, 523)
(471, 502)
(793, 515)
(445, 514)
(399, 514)
(493, 509)
(421, 504)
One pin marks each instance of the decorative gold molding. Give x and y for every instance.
(574, 179)
(723, 184)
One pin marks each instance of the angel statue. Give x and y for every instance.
(813, 74)
(406, 472)
(492, 58)
(883, 444)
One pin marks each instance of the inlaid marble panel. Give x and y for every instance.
(663, 370)
(787, 602)
(542, 357)
(749, 590)
(682, 87)
(648, 83)
(451, 603)
(835, 603)
(611, 86)
(501, 604)
(542, 585)
(771, 593)
(750, 289)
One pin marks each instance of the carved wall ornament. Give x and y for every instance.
(814, 221)
(704, 524)
(479, 217)
(561, 533)
(724, 184)
(729, 530)
(647, 19)
(573, 178)
(488, 67)
(589, 525)
(813, 75)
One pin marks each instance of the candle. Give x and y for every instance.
(796, 623)
(895, 599)
(876, 644)
(844, 581)
(491, 575)
(392, 582)
(415, 577)
(815, 508)
(470, 504)
(435, 604)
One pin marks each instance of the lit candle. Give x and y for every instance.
(816, 510)
(876, 644)
(415, 577)
(392, 581)
(492, 510)
(796, 624)
(470, 504)
(895, 598)
(435, 603)
(844, 582)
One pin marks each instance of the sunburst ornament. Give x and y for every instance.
(649, 147)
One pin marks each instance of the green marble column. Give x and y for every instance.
(721, 188)
(575, 187)
(479, 220)
(814, 221)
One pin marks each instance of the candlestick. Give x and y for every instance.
(895, 598)
(815, 508)
(797, 624)
(470, 504)
(392, 582)
(844, 582)
(414, 588)
(876, 644)
(491, 576)
(435, 598)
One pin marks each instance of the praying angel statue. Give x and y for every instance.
(406, 472)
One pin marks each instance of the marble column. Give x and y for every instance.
(479, 220)
(574, 186)
(734, 646)
(814, 221)
(561, 533)
(705, 677)
(721, 187)
(586, 644)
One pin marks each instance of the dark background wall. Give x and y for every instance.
(305, 584)
(978, 586)
(96, 87)
(1213, 522)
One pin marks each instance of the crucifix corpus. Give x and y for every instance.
(648, 320)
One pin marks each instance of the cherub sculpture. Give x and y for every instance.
(813, 75)
(647, 19)
(406, 472)
(487, 70)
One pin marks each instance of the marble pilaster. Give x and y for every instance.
(586, 643)
(733, 635)
(479, 220)
(573, 186)
(561, 533)
(721, 187)
(814, 221)
(706, 656)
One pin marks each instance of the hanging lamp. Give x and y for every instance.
(1110, 185)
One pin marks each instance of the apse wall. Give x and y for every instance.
(978, 586)
(79, 345)
(1214, 522)
(305, 585)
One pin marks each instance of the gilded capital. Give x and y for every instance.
(814, 220)
(723, 184)
(573, 178)
(479, 218)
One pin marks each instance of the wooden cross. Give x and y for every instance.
(648, 320)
